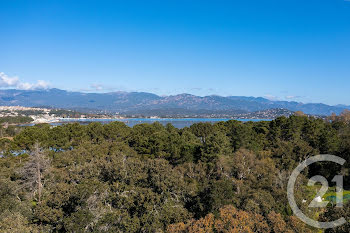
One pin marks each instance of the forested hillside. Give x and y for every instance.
(226, 177)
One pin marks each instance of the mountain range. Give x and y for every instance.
(124, 102)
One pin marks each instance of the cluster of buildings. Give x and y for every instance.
(39, 115)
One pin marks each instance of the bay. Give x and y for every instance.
(176, 122)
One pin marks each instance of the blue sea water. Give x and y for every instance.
(176, 122)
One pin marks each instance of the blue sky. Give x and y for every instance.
(288, 50)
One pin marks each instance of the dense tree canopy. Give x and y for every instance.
(223, 177)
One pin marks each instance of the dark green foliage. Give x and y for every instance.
(336, 213)
(16, 119)
(113, 178)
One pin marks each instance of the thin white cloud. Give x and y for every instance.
(15, 82)
(270, 97)
(97, 87)
(101, 88)
(292, 97)
(41, 84)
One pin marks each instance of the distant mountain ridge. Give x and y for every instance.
(202, 113)
(141, 101)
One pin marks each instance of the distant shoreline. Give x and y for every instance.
(176, 122)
